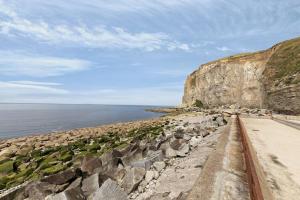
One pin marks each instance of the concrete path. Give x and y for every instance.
(278, 151)
(223, 176)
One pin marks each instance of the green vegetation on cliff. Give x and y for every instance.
(285, 61)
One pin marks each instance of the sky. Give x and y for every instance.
(136, 52)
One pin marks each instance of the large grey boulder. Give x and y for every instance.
(92, 183)
(62, 177)
(132, 156)
(90, 164)
(109, 190)
(132, 179)
(39, 190)
(75, 184)
(71, 194)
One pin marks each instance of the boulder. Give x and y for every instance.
(90, 164)
(109, 191)
(62, 177)
(145, 164)
(183, 150)
(71, 194)
(16, 194)
(132, 179)
(134, 155)
(186, 137)
(159, 166)
(176, 144)
(170, 152)
(92, 183)
(204, 133)
(149, 176)
(39, 190)
(75, 184)
(179, 133)
(220, 120)
(154, 156)
(195, 141)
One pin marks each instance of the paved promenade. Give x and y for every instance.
(278, 150)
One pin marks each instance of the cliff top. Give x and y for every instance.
(284, 58)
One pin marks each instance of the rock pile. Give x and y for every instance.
(125, 171)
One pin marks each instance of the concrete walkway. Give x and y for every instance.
(223, 176)
(278, 151)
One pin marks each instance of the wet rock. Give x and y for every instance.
(63, 177)
(159, 166)
(132, 179)
(90, 164)
(109, 191)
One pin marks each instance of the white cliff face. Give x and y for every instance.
(226, 82)
(265, 79)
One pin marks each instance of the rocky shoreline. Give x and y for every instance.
(151, 159)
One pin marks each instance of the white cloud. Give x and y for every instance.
(223, 48)
(36, 83)
(95, 37)
(14, 89)
(39, 92)
(16, 63)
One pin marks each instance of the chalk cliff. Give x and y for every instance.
(264, 79)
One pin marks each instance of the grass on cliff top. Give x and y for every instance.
(39, 163)
(286, 59)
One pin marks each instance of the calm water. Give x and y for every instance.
(25, 119)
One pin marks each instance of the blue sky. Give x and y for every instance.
(127, 51)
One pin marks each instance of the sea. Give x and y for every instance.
(30, 119)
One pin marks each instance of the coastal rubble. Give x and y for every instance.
(145, 168)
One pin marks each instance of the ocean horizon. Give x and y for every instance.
(22, 119)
